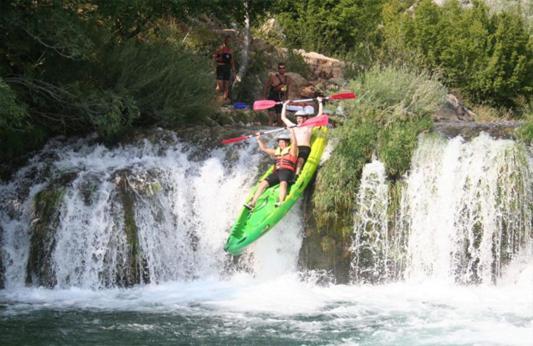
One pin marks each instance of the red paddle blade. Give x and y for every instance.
(263, 104)
(234, 140)
(316, 121)
(343, 96)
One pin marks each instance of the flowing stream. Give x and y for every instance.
(124, 246)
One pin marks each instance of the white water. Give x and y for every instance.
(467, 209)
(370, 241)
(184, 222)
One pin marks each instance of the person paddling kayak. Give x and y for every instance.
(286, 157)
(303, 133)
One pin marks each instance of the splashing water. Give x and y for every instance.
(370, 243)
(466, 208)
(180, 202)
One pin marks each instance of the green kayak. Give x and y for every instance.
(251, 225)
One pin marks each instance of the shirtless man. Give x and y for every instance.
(276, 88)
(302, 133)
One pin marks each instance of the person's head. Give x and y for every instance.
(281, 68)
(283, 141)
(303, 114)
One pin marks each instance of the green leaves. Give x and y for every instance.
(487, 56)
(392, 110)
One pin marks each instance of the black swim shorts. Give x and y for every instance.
(280, 175)
(223, 72)
(303, 152)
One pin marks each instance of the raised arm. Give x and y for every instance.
(320, 106)
(286, 121)
(294, 145)
(263, 147)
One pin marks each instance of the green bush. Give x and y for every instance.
(12, 112)
(400, 93)
(486, 55)
(170, 85)
(338, 178)
(397, 142)
(394, 106)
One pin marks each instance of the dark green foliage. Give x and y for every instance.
(487, 56)
(12, 113)
(331, 26)
(398, 141)
(169, 84)
(337, 180)
(525, 132)
(71, 68)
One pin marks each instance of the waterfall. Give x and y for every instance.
(370, 242)
(466, 210)
(464, 214)
(147, 212)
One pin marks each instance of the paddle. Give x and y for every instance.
(315, 121)
(266, 104)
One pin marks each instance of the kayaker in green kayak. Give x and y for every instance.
(286, 157)
(303, 133)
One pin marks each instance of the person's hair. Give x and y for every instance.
(281, 64)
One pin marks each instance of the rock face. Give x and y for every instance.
(324, 251)
(323, 67)
(454, 119)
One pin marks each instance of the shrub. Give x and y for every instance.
(12, 112)
(394, 106)
(170, 85)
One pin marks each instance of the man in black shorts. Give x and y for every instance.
(286, 157)
(225, 66)
(277, 88)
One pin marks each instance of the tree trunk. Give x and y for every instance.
(245, 52)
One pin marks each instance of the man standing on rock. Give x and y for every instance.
(277, 89)
(225, 67)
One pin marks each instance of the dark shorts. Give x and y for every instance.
(276, 96)
(303, 152)
(223, 72)
(280, 175)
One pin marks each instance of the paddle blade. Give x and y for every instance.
(235, 140)
(263, 104)
(343, 96)
(316, 121)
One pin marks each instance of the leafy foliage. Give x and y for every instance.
(331, 26)
(487, 56)
(393, 108)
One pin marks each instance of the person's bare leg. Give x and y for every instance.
(225, 87)
(299, 165)
(260, 189)
(282, 191)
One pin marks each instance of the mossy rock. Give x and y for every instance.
(42, 243)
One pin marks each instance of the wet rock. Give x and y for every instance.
(130, 273)
(469, 130)
(44, 223)
(453, 110)
(324, 250)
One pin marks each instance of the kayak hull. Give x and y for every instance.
(251, 225)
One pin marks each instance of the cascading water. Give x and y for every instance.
(466, 210)
(370, 244)
(85, 221)
(141, 213)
